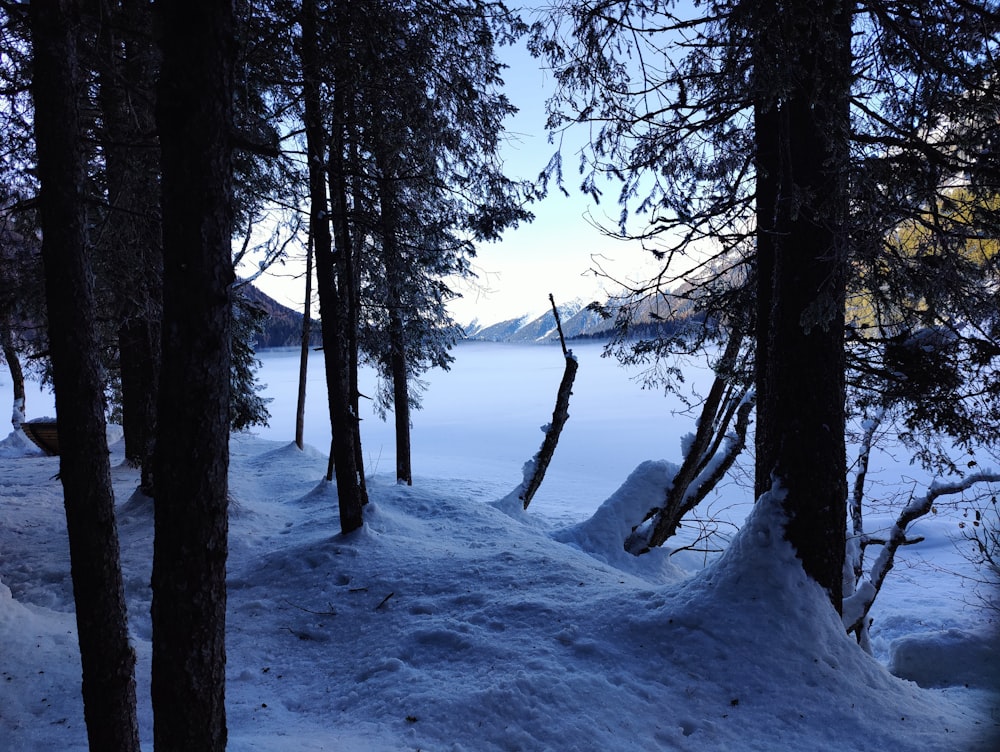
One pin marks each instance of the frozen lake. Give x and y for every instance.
(481, 421)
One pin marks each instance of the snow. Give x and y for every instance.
(453, 620)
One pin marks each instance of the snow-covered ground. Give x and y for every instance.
(451, 621)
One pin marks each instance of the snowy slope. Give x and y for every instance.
(448, 624)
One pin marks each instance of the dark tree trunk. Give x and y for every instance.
(706, 461)
(194, 115)
(333, 306)
(107, 658)
(139, 356)
(540, 462)
(300, 407)
(349, 266)
(16, 376)
(397, 360)
(766, 159)
(126, 71)
(802, 158)
(400, 397)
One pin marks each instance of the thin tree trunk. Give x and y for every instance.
(351, 272)
(139, 352)
(690, 485)
(801, 418)
(392, 263)
(194, 115)
(857, 542)
(766, 163)
(400, 397)
(108, 660)
(126, 71)
(858, 605)
(332, 306)
(16, 377)
(300, 407)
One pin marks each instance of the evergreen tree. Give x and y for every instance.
(689, 112)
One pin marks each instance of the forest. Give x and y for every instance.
(819, 182)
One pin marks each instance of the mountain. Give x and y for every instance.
(282, 325)
(577, 321)
(653, 316)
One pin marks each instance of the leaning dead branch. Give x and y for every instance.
(534, 470)
(710, 454)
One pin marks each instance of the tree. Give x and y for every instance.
(861, 585)
(709, 452)
(801, 95)
(19, 264)
(107, 658)
(437, 181)
(331, 281)
(246, 407)
(22, 294)
(129, 235)
(402, 119)
(195, 121)
(690, 117)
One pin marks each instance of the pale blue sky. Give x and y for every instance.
(553, 254)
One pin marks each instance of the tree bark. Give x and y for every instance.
(348, 262)
(394, 279)
(400, 396)
(194, 116)
(802, 164)
(108, 660)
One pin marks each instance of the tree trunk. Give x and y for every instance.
(139, 355)
(711, 453)
(300, 406)
(126, 71)
(400, 397)
(16, 377)
(395, 281)
(803, 159)
(108, 660)
(333, 307)
(194, 115)
(349, 267)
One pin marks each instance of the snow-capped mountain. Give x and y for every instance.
(649, 317)
(577, 321)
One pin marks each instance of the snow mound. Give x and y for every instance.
(603, 534)
(442, 624)
(951, 657)
(772, 641)
(17, 444)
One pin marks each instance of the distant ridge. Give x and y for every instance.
(282, 325)
(577, 321)
(580, 321)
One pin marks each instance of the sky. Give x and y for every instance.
(555, 253)
(454, 621)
